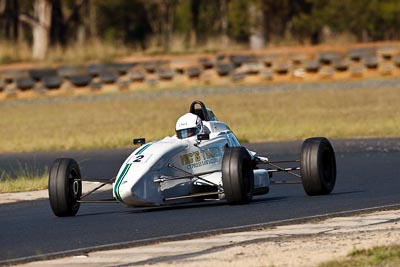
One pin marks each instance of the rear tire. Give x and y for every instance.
(237, 175)
(318, 166)
(65, 187)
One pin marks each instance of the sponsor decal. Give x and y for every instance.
(201, 158)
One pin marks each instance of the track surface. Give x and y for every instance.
(368, 176)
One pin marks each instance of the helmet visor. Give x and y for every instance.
(185, 133)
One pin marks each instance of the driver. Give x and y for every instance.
(188, 125)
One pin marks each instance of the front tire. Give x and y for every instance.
(237, 175)
(65, 187)
(318, 166)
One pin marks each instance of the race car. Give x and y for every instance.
(204, 160)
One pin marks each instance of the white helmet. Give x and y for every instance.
(188, 125)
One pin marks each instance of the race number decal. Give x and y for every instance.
(139, 159)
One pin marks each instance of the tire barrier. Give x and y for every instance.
(68, 71)
(238, 76)
(269, 60)
(224, 69)
(165, 74)
(251, 68)
(108, 76)
(396, 60)
(359, 53)
(238, 60)
(387, 52)
(267, 74)
(298, 58)
(386, 69)
(152, 81)
(95, 84)
(123, 83)
(370, 61)
(206, 62)
(219, 58)
(38, 74)
(328, 57)
(341, 65)
(213, 69)
(10, 91)
(327, 72)
(356, 71)
(96, 69)
(52, 82)
(40, 89)
(193, 72)
(151, 66)
(137, 75)
(122, 68)
(312, 66)
(282, 67)
(9, 76)
(25, 83)
(80, 80)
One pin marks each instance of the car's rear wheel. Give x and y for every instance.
(237, 175)
(65, 187)
(318, 166)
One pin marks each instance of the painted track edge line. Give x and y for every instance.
(187, 236)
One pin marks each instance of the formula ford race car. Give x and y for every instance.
(204, 162)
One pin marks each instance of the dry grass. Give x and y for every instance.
(25, 180)
(23, 184)
(100, 51)
(77, 54)
(269, 116)
(10, 53)
(377, 256)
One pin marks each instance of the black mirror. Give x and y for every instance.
(139, 141)
(202, 137)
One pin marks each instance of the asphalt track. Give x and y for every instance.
(368, 177)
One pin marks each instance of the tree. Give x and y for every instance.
(238, 20)
(136, 20)
(308, 20)
(9, 10)
(256, 18)
(40, 23)
(167, 17)
(194, 21)
(223, 10)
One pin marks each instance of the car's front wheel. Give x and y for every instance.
(318, 166)
(65, 187)
(237, 175)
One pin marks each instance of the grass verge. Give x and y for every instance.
(24, 181)
(377, 256)
(266, 116)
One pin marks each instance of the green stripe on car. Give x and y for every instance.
(119, 181)
(140, 151)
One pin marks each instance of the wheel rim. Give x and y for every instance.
(74, 187)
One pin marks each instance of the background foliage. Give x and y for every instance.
(148, 25)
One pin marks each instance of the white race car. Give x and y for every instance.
(203, 161)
